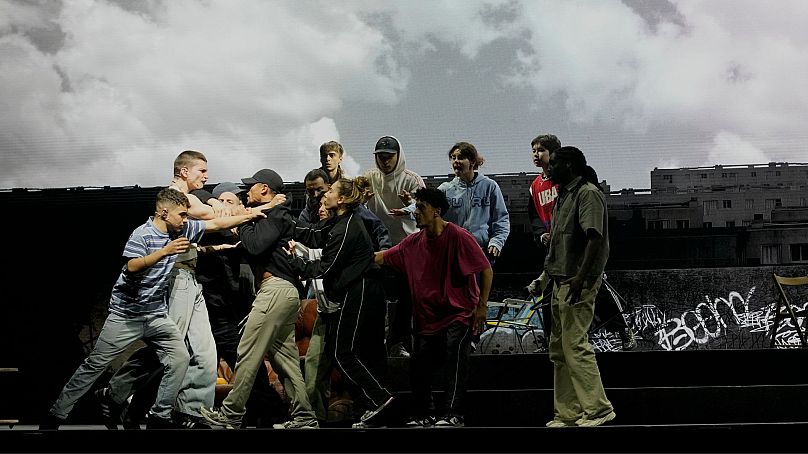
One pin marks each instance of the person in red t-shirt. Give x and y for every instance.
(543, 193)
(441, 262)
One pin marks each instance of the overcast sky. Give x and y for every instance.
(99, 93)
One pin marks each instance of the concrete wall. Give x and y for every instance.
(706, 308)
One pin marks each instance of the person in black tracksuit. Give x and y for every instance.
(352, 281)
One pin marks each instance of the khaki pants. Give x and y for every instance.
(577, 388)
(270, 329)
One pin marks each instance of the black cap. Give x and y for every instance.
(268, 177)
(387, 144)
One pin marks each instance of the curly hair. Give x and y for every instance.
(433, 196)
(172, 197)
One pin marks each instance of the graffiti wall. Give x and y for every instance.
(706, 308)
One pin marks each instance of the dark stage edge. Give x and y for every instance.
(770, 437)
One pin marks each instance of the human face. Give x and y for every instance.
(316, 188)
(541, 156)
(331, 199)
(229, 199)
(196, 175)
(255, 194)
(425, 214)
(174, 216)
(330, 160)
(386, 162)
(461, 165)
(323, 212)
(558, 170)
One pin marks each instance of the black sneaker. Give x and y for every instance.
(156, 422)
(51, 422)
(186, 421)
(110, 410)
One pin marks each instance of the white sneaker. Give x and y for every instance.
(219, 418)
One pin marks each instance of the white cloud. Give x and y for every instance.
(729, 149)
(246, 85)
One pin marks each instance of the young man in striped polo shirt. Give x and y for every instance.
(138, 307)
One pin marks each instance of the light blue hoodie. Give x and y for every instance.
(479, 208)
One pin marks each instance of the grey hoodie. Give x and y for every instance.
(386, 188)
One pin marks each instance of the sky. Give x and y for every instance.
(96, 93)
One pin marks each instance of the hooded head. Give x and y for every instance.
(387, 154)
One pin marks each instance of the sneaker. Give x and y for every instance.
(556, 423)
(371, 413)
(427, 421)
(51, 422)
(585, 422)
(155, 422)
(186, 421)
(450, 421)
(219, 418)
(297, 424)
(110, 410)
(397, 350)
(628, 338)
(366, 425)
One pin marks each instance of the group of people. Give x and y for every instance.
(358, 243)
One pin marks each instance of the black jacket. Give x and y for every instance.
(347, 254)
(264, 241)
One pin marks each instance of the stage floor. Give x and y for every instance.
(779, 437)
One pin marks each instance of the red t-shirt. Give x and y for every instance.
(543, 193)
(441, 273)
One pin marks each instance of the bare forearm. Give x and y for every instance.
(486, 280)
(141, 263)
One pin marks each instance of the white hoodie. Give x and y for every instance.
(386, 188)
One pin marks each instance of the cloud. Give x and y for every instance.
(725, 68)
(730, 149)
(138, 86)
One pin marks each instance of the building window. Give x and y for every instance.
(707, 225)
(704, 175)
(770, 254)
(777, 174)
(753, 174)
(732, 175)
(723, 174)
(730, 223)
(682, 224)
(803, 201)
(799, 252)
(654, 225)
(726, 203)
(758, 216)
(710, 206)
(746, 223)
(750, 204)
(773, 203)
(668, 178)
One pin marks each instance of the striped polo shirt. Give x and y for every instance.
(145, 292)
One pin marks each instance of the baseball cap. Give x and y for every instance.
(226, 187)
(266, 176)
(387, 144)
